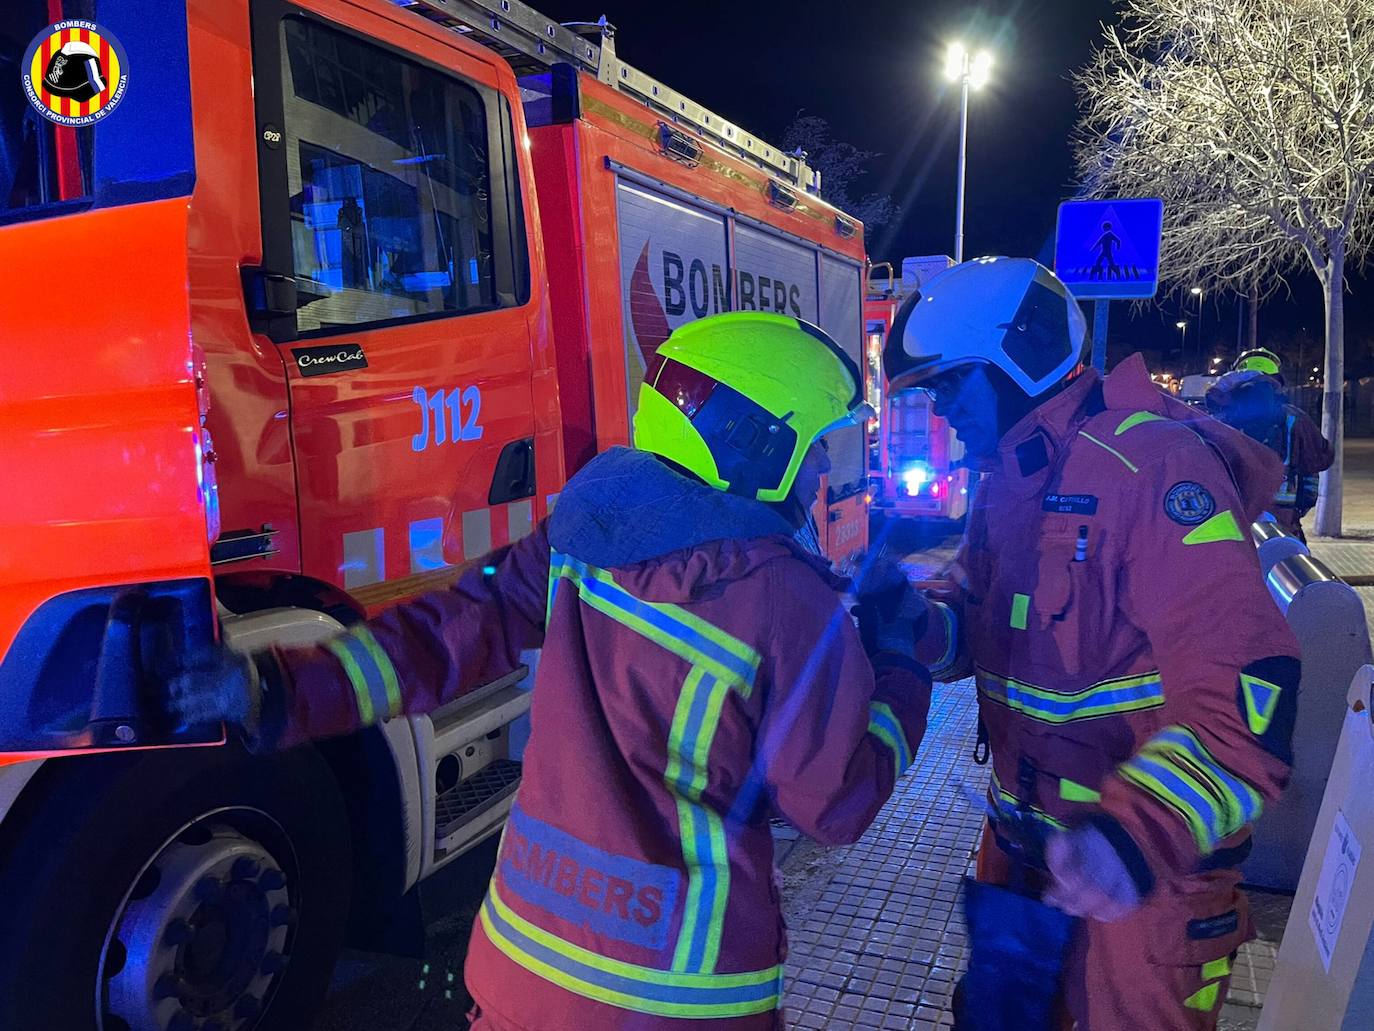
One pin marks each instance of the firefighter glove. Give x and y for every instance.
(226, 688)
(1090, 879)
(891, 615)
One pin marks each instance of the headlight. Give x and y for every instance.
(914, 477)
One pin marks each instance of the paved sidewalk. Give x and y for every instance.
(877, 936)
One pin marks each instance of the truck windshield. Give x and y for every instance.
(116, 128)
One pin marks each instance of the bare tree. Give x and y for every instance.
(841, 165)
(1254, 120)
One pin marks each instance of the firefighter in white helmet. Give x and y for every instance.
(1138, 709)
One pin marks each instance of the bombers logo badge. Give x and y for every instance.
(75, 73)
(1189, 503)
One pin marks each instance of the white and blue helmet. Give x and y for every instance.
(1009, 312)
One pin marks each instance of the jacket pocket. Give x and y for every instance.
(1068, 605)
(1198, 924)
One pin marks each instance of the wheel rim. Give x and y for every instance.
(204, 932)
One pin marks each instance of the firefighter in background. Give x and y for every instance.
(1251, 398)
(699, 675)
(1137, 684)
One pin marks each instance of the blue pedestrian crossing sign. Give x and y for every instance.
(1109, 249)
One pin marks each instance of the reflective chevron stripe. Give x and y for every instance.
(370, 672)
(884, 725)
(671, 626)
(627, 985)
(1105, 698)
(1176, 768)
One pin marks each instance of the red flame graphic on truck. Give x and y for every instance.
(647, 317)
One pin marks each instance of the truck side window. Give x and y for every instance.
(390, 183)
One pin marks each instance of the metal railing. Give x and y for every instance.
(532, 43)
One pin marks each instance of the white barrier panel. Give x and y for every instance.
(1327, 617)
(1324, 977)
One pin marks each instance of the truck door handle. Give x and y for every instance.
(116, 716)
(272, 300)
(514, 476)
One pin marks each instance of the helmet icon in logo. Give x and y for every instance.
(75, 73)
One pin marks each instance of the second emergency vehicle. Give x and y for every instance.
(916, 466)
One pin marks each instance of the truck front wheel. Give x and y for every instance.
(196, 890)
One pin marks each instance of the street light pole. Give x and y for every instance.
(1201, 339)
(971, 72)
(963, 163)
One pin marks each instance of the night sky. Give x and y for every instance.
(873, 70)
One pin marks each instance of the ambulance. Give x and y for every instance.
(307, 306)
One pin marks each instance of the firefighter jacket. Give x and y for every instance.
(698, 676)
(1132, 669)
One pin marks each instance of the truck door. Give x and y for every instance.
(395, 283)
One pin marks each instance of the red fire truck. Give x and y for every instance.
(306, 305)
(915, 461)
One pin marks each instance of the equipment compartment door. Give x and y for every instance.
(673, 269)
(841, 315)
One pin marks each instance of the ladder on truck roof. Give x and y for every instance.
(531, 43)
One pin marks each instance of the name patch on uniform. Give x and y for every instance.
(1189, 503)
(1213, 926)
(622, 898)
(1078, 504)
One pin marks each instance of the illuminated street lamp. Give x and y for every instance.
(1197, 292)
(1182, 325)
(970, 71)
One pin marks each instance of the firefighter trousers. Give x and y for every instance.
(1166, 967)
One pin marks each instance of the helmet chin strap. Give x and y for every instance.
(803, 521)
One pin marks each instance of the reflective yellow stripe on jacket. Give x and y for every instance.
(720, 662)
(1105, 698)
(627, 985)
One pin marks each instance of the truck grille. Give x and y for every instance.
(470, 797)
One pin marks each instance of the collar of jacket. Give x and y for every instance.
(625, 507)
(1030, 448)
(1254, 469)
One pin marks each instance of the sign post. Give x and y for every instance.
(1106, 250)
(1100, 311)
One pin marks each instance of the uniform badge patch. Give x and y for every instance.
(1189, 503)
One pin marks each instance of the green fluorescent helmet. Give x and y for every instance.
(738, 398)
(1259, 359)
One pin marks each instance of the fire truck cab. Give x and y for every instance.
(324, 310)
(915, 462)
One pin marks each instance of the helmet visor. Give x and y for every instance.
(1259, 363)
(859, 415)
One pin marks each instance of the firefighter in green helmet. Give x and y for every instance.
(1252, 398)
(699, 675)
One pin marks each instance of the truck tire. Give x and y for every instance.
(188, 890)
